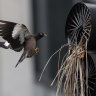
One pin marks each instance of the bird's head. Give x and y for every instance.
(40, 35)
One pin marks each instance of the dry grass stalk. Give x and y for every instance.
(72, 70)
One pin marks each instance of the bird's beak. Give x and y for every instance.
(45, 35)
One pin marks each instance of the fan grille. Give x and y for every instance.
(78, 24)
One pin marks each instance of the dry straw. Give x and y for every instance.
(72, 72)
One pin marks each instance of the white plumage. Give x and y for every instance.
(6, 44)
(21, 32)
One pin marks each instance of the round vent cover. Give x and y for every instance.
(78, 24)
(82, 21)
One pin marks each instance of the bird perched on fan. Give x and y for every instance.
(18, 37)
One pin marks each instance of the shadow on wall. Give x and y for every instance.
(50, 17)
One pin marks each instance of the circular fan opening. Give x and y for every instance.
(78, 24)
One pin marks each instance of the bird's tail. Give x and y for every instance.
(23, 56)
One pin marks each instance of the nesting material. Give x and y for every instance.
(72, 70)
(72, 75)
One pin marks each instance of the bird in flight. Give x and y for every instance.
(18, 37)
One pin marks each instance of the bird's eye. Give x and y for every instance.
(41, 34)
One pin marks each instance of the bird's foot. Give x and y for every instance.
(36, 50)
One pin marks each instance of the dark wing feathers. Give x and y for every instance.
(6, 29)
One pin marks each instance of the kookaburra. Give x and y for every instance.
(18, 37)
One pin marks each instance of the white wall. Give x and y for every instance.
(15, 82)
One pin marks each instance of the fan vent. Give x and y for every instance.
(78, 24)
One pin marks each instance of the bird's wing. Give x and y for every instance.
(13, 32)
(6, 29)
